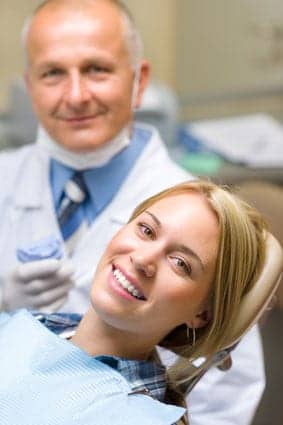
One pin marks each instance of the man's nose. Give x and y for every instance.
(144, 263)
(77, 91)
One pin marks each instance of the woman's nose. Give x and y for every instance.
(144, 264)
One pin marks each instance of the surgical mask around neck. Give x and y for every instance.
(83, 160)
(136, 83)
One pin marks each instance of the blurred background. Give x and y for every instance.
(217, 98)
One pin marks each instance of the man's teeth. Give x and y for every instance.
(127, 285)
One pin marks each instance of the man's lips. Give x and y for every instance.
(80, 118)
(128, 283)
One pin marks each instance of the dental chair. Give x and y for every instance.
(254, 305)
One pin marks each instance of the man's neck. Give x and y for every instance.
(83, 160)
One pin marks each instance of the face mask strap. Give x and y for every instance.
(137, 73)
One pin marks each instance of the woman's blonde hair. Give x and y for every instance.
(240, 259)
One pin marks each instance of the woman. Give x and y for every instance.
(174, 276)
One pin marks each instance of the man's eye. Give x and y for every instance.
(97, 69)
(146, 230)
(52, 73)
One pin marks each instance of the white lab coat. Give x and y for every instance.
(27, 214)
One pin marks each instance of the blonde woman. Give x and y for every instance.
(173, 276)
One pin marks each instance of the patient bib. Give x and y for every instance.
(45, 380)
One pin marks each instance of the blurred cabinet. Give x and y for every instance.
(230, 57)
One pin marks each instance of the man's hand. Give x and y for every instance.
(42, 285)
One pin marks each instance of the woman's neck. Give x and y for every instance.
(98, 338)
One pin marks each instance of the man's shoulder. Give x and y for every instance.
(153, 171)
(15, 156)
(17, 165)
(19, 159)
(155, 161)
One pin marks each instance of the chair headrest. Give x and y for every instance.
(257, 299)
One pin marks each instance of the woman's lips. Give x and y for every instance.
(127, 285)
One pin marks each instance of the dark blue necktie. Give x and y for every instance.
(71, 215)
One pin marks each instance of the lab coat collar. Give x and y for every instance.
(34, 186)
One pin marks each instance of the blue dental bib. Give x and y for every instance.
(45, 380)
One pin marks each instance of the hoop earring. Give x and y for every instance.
(192, 341)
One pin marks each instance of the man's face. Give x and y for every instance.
(80, 77)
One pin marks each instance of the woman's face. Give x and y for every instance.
(157, 272)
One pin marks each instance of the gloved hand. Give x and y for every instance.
(42, 285)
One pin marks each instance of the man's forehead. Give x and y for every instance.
(60, 15)
(113, 18)
(58, 39)
(91, 12)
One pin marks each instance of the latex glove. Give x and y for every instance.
(42, 285)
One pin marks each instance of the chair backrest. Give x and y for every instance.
(252, 308)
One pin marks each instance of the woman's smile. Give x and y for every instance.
(125, 286)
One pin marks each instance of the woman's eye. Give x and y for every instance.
(182, 265)
(146, 230)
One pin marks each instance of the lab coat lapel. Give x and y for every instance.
(33, 212)
(33, 181)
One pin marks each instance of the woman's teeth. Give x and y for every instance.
(127, 285)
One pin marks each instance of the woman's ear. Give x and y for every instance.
(201, 319)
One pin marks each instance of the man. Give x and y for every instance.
(62, 198)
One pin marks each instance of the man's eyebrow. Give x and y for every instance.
(49, 64)
(185, 249)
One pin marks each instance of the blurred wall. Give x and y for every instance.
(229, 57)
(157, 21)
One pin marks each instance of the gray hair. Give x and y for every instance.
(132, 35)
